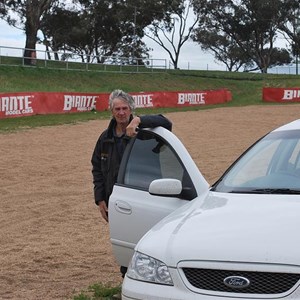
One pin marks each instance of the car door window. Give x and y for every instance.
(153, 158)
(294, 160)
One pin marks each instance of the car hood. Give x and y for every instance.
(229, 227)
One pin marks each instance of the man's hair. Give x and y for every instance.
(123, 96)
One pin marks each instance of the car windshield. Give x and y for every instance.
(272, 165)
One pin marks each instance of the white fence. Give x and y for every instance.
(72, 61)
(288, 69)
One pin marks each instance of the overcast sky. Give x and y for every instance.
(191, 57)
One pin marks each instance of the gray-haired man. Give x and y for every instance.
(112, 142)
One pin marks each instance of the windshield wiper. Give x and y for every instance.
(275, 191)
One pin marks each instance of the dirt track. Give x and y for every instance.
(53, 241)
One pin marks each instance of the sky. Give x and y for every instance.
(191, 56)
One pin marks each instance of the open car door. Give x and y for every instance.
(153, 154)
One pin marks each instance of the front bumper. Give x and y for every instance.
(182, 289)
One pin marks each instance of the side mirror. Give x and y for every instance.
(165, 187)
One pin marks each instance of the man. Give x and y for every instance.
(111, 145)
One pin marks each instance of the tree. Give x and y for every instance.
(224, 48)
(69, 30)
(104, 28)
(291, 29)
(292, 25)
(27, 14)
(2, 9)
(134, 16)
(251, 24)
(92, 29)
(101, 28)
(279, 57)
(174, 31)
(104, 25)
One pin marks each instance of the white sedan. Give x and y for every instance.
(182, 239)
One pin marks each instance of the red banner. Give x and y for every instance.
(27, 104)
(282, 95)
(178, 99)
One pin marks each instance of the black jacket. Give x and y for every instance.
(106, 158)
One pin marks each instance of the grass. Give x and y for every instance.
(246, 88)
(99, 292)
(22, 123)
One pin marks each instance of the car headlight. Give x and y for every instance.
(146, 268)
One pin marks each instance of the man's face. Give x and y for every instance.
(121, 111)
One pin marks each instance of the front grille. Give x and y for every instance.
(260, 282)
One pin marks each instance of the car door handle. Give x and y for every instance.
(123, 207)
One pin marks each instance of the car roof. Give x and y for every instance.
(289, 126)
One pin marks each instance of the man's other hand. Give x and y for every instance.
(103, 210)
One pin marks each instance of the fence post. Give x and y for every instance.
(45, 57)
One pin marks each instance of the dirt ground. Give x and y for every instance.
(53, 243)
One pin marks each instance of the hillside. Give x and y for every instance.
(245, 87)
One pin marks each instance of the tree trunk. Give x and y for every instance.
(34, 12)
(30, 52)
